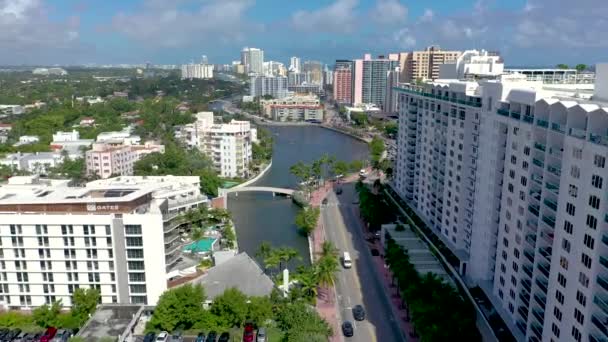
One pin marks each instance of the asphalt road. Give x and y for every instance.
(360, 284)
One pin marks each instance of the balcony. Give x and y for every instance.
(503, 112)
(548, 237)
(524, 314)
(516, 115)
(538, 162)
(603, 282)
(531, 238)
(533, 209)
(599, 139)
(529, 256)
(542, 123)
(538, 330)
(539, 316)
(540, 299)
(528, 119)
(528, 270)
(604, 261)
(542, 285)
(577, 133)
(546, 252)
(605, 239)
(553, 187)
(551, 204)
(556, 170)
(601, 325)
(527, 285)
(557, 128)
(601, 303)
(544, 269)
(525, 298)
(550, 221)
(539, 146)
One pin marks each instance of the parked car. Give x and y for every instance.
(149, 337)
(48, 334)
(200, 337)
(248, 332)
(358, 312)
(162, 337)
(63, 335)
(339, 191)
(212, 336)
(3, 332)
(347, 329)
(12, 335)
(324, 201)
(21, 336)
(177, 337)
(375, 252)
(261, 337)
(224, 337)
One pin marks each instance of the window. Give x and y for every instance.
(135, 265)
(566, 245)
(523, 181)
(579, 316)
(563, 262)
(557, 313)
(561, 279)
(576, 334)
(573, 190)
(555, 330)
(108, 230)
(591, 222)
(575, 172)
(597, 181)
(512, 174)
(559, 296)
(589, 241)
(568, 227)
(135, 253)
(586, 260)
(134, 241)
(594, 202)
(581, 298)
(577, 153)
(137, 277)
(513, 160)
(599, 161)
(583, 279)
(137, 288)
(570, 209)
(515, 266)
(133, 229)
(527, 150)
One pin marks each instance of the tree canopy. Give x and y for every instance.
(180, 307)
(306, 219)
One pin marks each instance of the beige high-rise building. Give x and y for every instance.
(424, 65)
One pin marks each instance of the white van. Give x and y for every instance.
(346, 261)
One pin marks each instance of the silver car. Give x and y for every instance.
(261, 336)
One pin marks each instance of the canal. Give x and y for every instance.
(260, 216)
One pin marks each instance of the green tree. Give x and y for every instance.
(581, 67)
(328, 249)
(84, 303)
(286, 254)
(326, 269)
(73, 169)
(76, 339)
(46, 315)
(179, 307)
(562, 66)
(356, 165)
(230, 308)
(376, 147)
(259, 310)
(229, 235)
(306, 220)
(308, 281)
(264, 250)
(300, 320)
(340, 167)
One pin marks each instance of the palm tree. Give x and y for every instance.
(286, 254)
(328, 249)
(272, 261)
(326, 270)
(264, 250)
(307, 278)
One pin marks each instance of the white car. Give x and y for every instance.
(162, 337)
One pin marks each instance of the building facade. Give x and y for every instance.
(370, 79)
(201, 71)
(512, 178)
(294, 64)
(106, 160)
(424, 65)
(253, 60)
(119, 236)
(343, 82)
(294, 108)
(275, 86)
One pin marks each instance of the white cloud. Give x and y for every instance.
(166, 24)
(404, 39)
(389, 12)
(29, 35)
(339, 17)
(427, 16)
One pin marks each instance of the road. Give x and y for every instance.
(361, 284)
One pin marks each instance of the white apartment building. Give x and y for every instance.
(293, 108)
(513, 179)
(472, 64)
(193, 70)
(118, 235)
(275, 86)
(227, 145)
(105, 160)
(36, 163)
(253, 60)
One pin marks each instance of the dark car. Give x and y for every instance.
(177, 337)
(200, 337)
(11, 335)
(248, 334)
(347, 329)
(149, 337)
(375, 252)
(358, 312)
(3, 332)
(224, 337)
(212, 336)
(339, 191)
(324, 201)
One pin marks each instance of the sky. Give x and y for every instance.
(525, 32)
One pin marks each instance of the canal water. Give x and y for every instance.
(260, 216)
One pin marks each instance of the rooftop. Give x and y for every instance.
(240, 271)
(110, 321)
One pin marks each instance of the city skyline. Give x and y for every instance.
(63, 32)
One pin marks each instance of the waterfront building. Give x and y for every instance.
(120, 236)
(511, 175)
(105, 160)
(195, 70)
(227, 145)
(370, 79)
(293, 108)
(343, 81)
(275, 86)
(424, 65)
(253, 60)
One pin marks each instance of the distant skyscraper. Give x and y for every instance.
(204, 60)
(370, 79)
(424, 65)
(294, 64)
(315, 70)
(342, 84)
(253, 60)
(275, 86)
(192, 70)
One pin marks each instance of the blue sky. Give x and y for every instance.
(526, 32)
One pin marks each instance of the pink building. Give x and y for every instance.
(343, 82)
(105, 160)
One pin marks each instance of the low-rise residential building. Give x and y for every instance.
(90, 99)
(35, 163)
(307, 88)
(293, 108)
(119, 137)
(11, 110)
(27, 139)
(87, 121)
(120, 236)
(71, 143)
(5, 128)
(105, 160)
